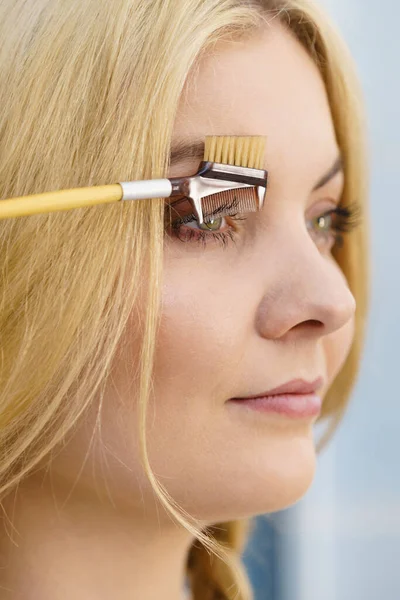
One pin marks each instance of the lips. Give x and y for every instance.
(295, 386)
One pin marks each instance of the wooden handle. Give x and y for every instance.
(60, 200)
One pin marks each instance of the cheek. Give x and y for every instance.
(198, 345)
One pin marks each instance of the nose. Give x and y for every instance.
(304, 293)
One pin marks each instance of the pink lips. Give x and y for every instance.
(295, 386)
(295, 399)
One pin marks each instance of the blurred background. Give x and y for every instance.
(342, 541)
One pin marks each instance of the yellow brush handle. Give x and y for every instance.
(60, 200)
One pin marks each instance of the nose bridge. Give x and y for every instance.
(303, 286)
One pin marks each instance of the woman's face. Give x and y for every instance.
(269, 306)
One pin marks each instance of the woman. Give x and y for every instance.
(126, 465)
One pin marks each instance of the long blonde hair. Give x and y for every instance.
(89, 91)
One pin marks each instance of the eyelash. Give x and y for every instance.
(347, 219)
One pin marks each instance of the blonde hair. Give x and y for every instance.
(89, 91)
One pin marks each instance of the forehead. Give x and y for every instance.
(264, 85)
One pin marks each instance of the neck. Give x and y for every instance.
(85, 549)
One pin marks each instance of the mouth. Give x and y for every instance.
(295, 386)
(295, 399)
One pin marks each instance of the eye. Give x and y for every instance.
(186, 228)
(329, 227)
(214, 224)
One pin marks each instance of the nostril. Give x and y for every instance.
(311, 322)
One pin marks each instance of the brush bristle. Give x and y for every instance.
(239, 150)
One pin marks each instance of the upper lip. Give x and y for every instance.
(295, 386)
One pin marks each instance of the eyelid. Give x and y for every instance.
(324, 205)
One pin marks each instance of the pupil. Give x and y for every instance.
(322, 222)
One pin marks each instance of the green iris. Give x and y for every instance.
(211, 225)
(324, 222)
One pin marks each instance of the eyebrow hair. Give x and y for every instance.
(334, 170)
(186, 150)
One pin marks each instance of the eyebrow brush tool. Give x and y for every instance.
(231, 166)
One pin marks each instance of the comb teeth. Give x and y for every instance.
(239, 150)
(230, 202)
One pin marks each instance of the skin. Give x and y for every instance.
(236, 321)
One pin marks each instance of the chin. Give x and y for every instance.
(294, 473)
(276, 479)
(285, 477)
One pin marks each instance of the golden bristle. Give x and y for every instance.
(240, 150)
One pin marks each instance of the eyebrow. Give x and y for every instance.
(334, 170)
(187, 150)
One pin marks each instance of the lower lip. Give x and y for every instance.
(296, 406)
